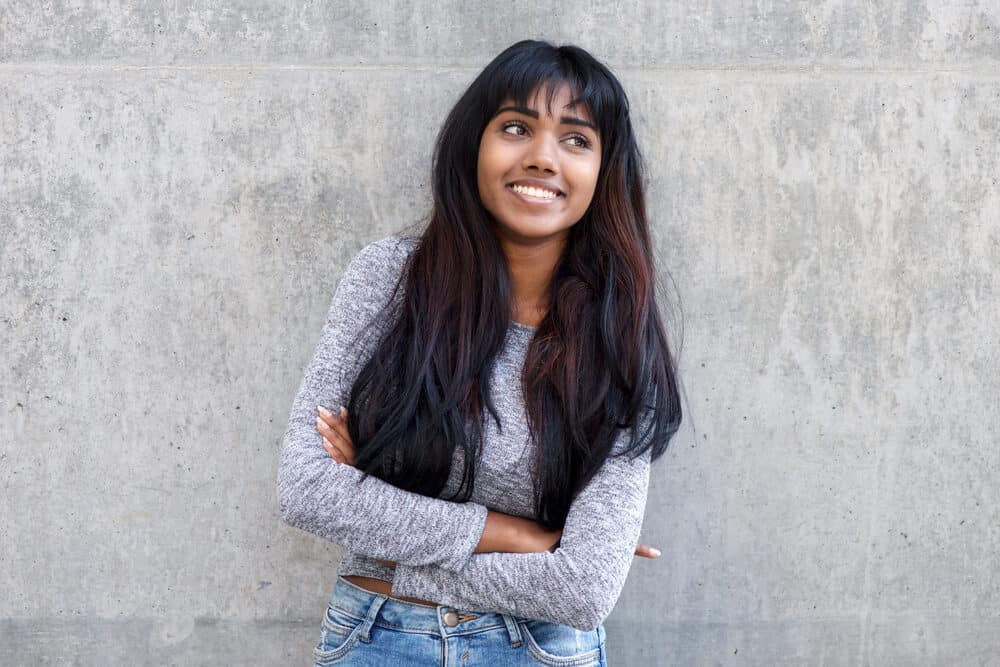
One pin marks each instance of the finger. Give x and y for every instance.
(344, 446)
(647, 551)
(336, 430)
(326, 416)
(325, 429)
(324, 426)
(337, 421)
(346, 451)
(339, 424)
(332, 451)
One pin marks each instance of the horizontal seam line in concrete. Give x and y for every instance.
(986, 70)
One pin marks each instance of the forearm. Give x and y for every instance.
(577, 584)
(372, 517)
(569, 586)
(504, 533)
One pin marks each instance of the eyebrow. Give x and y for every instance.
(568, 120)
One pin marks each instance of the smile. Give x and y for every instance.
(534, 195)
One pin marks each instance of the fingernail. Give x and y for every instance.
(323, 411)
(343, 411)
(655, 552)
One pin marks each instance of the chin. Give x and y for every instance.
(539, 231)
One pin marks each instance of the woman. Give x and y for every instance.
(492, 393)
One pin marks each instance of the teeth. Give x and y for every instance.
(534, 192)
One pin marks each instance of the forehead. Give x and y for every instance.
(553, 98)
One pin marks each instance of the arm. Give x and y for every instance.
(578, 584)
(502, 532)
(323, 497)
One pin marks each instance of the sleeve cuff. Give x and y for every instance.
(417, 581)
(466, 545)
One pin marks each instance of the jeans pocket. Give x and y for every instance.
(340, 630)
(561, 645)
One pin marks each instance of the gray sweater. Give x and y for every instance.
(432, 540)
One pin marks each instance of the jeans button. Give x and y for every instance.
(450, 619)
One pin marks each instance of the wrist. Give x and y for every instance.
(499, 534)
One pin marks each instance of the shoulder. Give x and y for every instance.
(371, 277)
(389, 252)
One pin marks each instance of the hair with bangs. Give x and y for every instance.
(599, 379)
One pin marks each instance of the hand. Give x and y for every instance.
(336, 438)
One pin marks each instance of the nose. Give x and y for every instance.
(540, 155)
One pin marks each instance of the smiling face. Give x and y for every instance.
(537, 172)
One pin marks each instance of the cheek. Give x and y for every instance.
(487, 167)
(586, 177)
(482, 174)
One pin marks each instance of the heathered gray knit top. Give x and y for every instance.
(430, 539)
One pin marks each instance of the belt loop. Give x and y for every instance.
(513, 629)
(373, 611)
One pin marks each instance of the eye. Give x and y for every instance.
(583, 142)
(514, 124)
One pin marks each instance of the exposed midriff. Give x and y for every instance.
(383, 587)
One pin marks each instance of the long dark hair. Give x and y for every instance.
(599, 362)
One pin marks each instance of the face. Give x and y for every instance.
(537, 172)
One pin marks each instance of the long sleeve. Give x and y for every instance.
(318, 495)
(578, 584)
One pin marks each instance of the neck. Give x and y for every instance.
(531, 269)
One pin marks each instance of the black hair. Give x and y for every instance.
(599, 367)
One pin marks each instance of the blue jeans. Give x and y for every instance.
(366, 628)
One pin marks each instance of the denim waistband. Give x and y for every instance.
(380, 609)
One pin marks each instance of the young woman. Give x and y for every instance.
(478, 420)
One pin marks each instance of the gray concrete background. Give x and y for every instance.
(183, 184)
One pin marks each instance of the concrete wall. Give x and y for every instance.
(182, 184)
